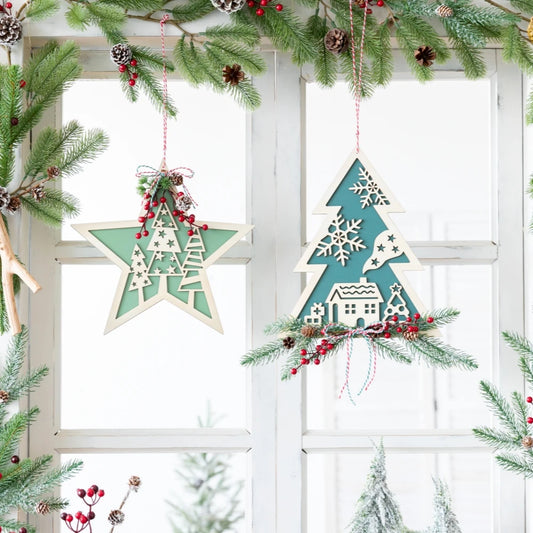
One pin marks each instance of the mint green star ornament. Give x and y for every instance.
(168, 262)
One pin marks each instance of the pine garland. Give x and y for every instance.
(402, 341)
(514, 435)
(26, 483)
(200, 56)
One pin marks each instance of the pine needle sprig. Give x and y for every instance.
(497, 439)
(397, 340)
(522, 465)
(501, 408)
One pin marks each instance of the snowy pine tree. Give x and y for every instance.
(376, 510)
(444, 519)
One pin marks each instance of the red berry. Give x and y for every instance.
(316, 361)
(15, 459)
(122, 68)
(303, 351)
(181, 218)
(380, 3)
(1, 7)
(69, 518)
(279, 7)
(163, 200)
(293, 371)
(180, 194)
(63, 516)
(330, 346)
(259, 12)
(323, 351)
(263, 2)
(415, 328)
(9, 5)
(146, 195)
(394, 318)
(81, 493)
(175, 213)
(133, 62)
(304, 361)
(77, 515)
(145, 233)
(22, 84)
(429, 319)
(151, 214)
(138, 235)
(324, 341)
(146, 206)
(135, 75)
(410, 329)
(131, 82)
(386, 335)
(192, 218)
(529, 420)
(205, 227)
(91, 515)
(417, 316)
(23, 530)
(190, 233)
(83, 519)
(408, 319)
(155, 203)
(369, 11)
(90, 492)
(318, 347)
(142, 219)
(529, 399)
(1, 476)
(251, 3)
(399, 330)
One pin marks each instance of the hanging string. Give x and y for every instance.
(165, 90)
(357, 75)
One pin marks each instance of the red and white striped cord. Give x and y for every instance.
(165, 90)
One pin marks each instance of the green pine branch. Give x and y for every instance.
(301, 344)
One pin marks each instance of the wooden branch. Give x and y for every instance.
(11, 265)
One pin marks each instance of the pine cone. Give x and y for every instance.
(289, 343)
(527, 442)
(38, 193)
(134, 482)
(232, 75)
(53, 172)
(116, 517)
(444, 11)
(121, 54)
(228, 6)
(184, 203)
(5, 197)
(309, 331)
(42, 508)
(10, 29)
(176, 178)
(14, 205)
(4, 396)
(425, 55)
(336, 41)
(410, 335)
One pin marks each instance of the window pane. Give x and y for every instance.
(438, 172)
(163, 482)
(336, 481)
(415, 396)
(159, 369)
(215, 150)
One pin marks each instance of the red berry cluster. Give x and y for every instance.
(380, 330)
(6, 7)
(80, 521)
(529, 399)
(261, 5)
(366, 5)
(151, 201)
(130, 70)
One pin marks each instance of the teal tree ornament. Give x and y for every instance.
(168, 258)
(358, 258)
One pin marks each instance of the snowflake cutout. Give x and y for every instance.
(369, 191)
(342, 239)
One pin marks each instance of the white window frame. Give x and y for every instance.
(278, 440)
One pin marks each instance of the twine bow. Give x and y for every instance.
(367, 333)
(155, 176)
